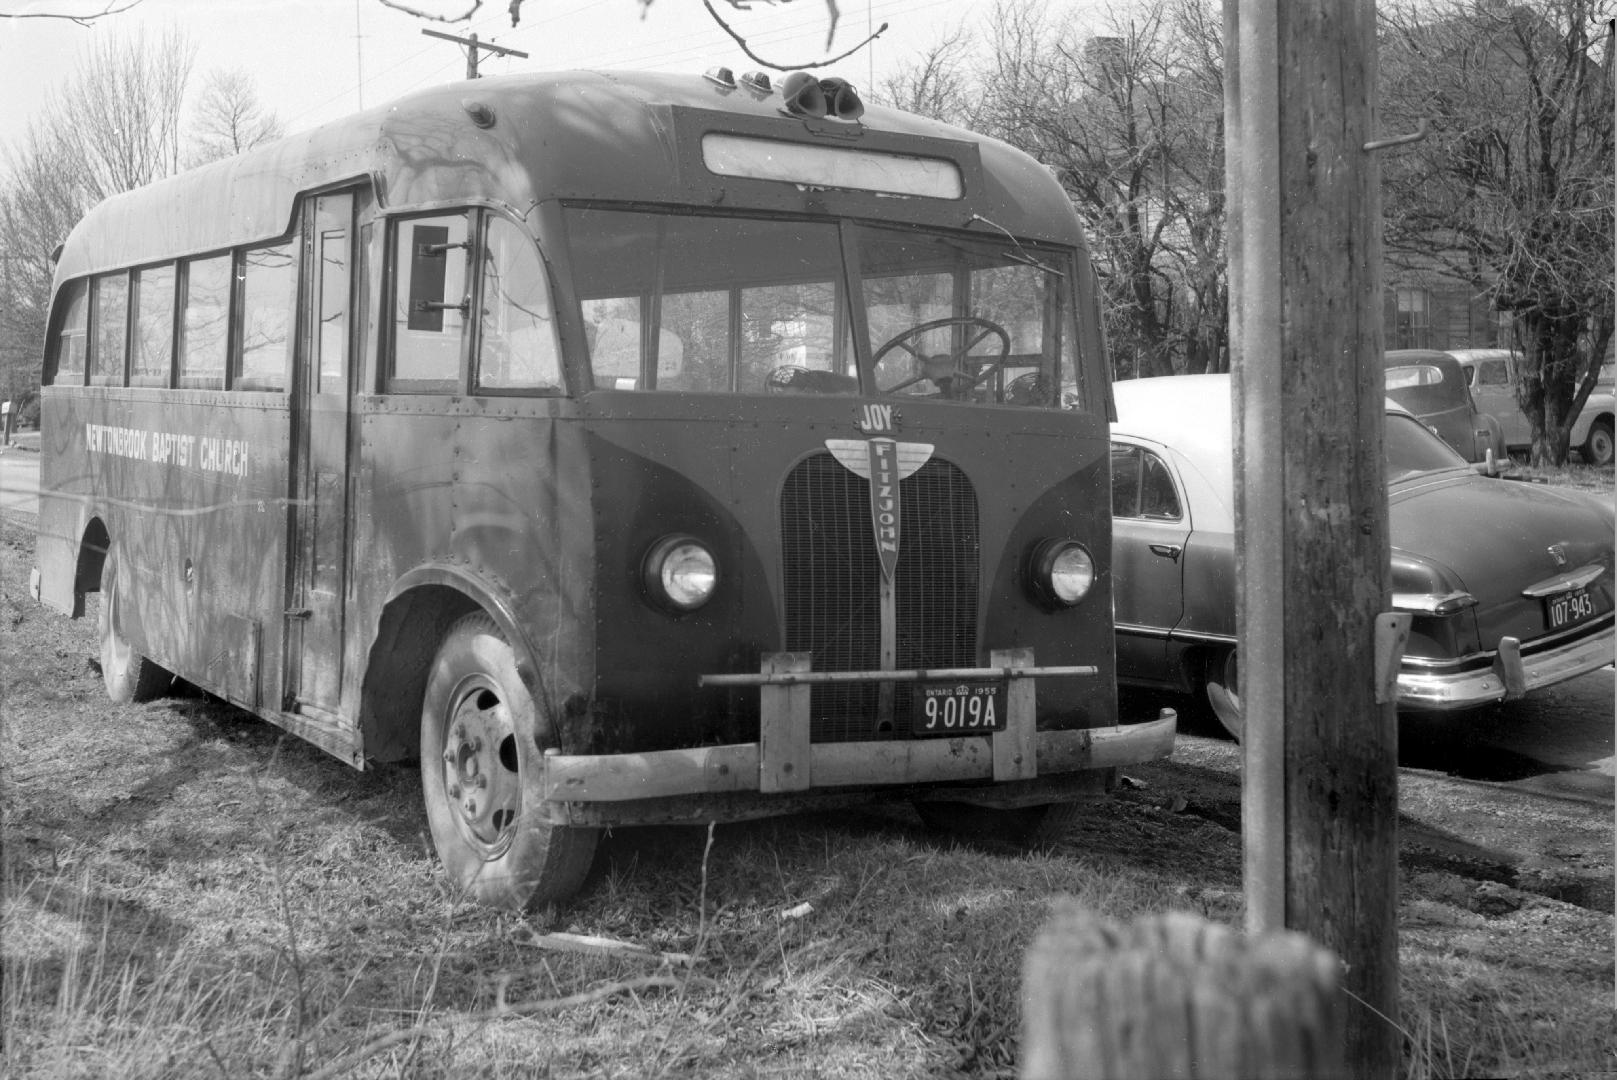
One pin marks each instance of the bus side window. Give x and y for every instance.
(153, 310)
(111, 324)
(429, 304)
(268, 292)
(69, 342)
(205, 325)
(517, 336)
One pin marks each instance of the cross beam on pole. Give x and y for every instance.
(473, 47)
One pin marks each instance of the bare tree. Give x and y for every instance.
(229, 118)
(121, 111)
(938, 83)
(1512, 191)
(115, 126)
(1131, 120)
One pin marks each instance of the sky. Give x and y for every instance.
(317, 60)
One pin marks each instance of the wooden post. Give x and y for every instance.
(1175, 996)
(1319, 803)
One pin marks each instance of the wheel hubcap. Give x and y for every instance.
(481, 778)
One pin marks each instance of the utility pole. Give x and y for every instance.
(1319, 649)
(472, 47)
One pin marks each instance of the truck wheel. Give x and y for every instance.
(1597, 448)
(128, 675)
(1223, 690)
(481, 740)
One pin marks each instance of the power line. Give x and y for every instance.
(473, 47)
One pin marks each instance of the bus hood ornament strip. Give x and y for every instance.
(883, 462)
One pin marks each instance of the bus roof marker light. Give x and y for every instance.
(481, 114)
(757, 81)
(841, 99)
(722, 76)
(803, 95)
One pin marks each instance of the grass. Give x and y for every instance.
(186, 893)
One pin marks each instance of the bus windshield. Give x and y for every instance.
(715, 304)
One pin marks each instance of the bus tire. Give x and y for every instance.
(481, 734)
(128, 676)
(1016, 825)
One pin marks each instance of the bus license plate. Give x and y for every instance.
(1569, 608)
(958, 708)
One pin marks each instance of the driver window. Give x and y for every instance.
(517, 345)
(788, 341)
(897, 304)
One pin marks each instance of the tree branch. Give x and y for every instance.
(467, 14)
(742, 42)
(81, 20)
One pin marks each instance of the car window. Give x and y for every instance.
(1399, 378)
(1158, 499)
(1125, 480)
(1411, 448)
(1492, 373)
(1142, 487)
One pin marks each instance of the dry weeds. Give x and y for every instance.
(187, 894)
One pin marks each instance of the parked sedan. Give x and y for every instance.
(1509, 582)
(1433, 386)
(1495, 376)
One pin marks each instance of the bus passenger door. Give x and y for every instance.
(318, 519)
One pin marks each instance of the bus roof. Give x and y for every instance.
(611, 136)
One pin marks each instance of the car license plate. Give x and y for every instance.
(958, 708)
(1569, 608)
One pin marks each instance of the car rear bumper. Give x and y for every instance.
(1510, 675)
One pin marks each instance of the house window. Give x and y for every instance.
(1412, 327)
(1504, 330)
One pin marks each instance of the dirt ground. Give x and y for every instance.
(1506, 896)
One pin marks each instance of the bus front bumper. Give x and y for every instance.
(783, 771)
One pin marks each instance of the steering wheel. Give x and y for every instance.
(946, 366)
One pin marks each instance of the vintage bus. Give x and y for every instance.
(625, 448)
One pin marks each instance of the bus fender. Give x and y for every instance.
(419, 610)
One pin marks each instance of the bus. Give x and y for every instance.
(624, 448)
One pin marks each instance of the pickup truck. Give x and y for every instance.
(1493, 375)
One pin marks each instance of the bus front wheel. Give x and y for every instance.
(481, 733)
(128, 675)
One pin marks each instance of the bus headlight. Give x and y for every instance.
(680, 573)
(1061, 572)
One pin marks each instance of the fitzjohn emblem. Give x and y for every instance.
(883, 462)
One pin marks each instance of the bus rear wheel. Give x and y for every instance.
(127, 674)
(481, 733)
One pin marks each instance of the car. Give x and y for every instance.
(1432, 385)
(1509, 582)
(1494, 374)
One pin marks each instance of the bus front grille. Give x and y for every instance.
(832, 587)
